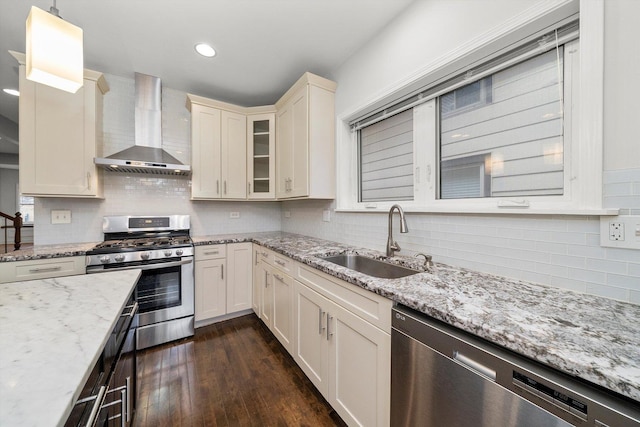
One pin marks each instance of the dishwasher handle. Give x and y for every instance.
(477, 367)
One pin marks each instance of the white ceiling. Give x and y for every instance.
(263, 45)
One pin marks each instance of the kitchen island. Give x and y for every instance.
(52, 332)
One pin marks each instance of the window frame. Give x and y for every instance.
(583, 155)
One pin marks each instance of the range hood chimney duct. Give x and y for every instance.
(147, 155)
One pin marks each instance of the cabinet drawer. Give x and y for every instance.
(265, 255)
(283, 263)
(41, 269)
(210, 252)
(371, 307)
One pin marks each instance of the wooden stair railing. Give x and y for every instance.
(16, 224)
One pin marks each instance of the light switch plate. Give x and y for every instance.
(60, 216)
(622, 231)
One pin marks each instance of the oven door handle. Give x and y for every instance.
(144, 267)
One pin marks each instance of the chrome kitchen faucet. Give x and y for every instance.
(392, 245)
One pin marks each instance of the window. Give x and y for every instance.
(504, 133)
(26, 209)
(505, 138)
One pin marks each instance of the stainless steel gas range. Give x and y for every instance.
(162, 248)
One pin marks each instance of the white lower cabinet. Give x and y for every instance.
(222, 280)
(282, 312)
(273, 297)
(338, 333)
(347, 358)
(239, 277)
(211, 287)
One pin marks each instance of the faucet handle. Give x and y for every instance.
(427, 260)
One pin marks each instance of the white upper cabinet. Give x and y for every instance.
(305, 140)
(218, 150)
(223, 165)
(261, 156)
(58, 135)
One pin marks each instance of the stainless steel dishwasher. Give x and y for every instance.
(442, 376)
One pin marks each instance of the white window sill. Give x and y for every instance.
(492, 211)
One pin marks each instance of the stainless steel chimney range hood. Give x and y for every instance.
(147, 155)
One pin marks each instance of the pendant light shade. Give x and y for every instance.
(54, 51)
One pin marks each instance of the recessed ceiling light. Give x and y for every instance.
(12, 92)
(205, 50)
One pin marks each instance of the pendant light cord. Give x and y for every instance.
(54, 10)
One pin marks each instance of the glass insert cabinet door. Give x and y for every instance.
(261, 158)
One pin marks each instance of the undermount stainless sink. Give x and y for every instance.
(370, 266)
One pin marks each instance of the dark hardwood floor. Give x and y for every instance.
(233, 373)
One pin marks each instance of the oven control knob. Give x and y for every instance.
(167, 253)
(144, 255)
(178, 252)
(105, 259)
(119, 258)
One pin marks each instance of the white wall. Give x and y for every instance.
(138, 194)
(562, 251)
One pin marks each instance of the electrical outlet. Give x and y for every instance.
(326, 215)
(622, 231)
(616, 231)
(234, 215)
(59, 216)
(287, 214)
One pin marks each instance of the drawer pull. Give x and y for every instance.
(44, 269)
(282, 263)
(102, 393)
(134, 310)
(279, 277)
(216, 252)
(265, 254)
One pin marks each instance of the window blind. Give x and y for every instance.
(386, 159)
(467, 73)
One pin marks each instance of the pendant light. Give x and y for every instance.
(54, 50)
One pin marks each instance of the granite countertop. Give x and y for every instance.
(48, 251)
(594, 338)
(52, 332)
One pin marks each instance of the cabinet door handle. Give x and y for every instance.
(217, 186)
(89, 181)
(256, 258)
(329, 317)
(129, 398)
(266, 279)
(222, 271)
(248, 188)
(225, 186)
(320, 317)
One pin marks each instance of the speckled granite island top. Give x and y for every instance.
(52, 332)
(594, 338)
